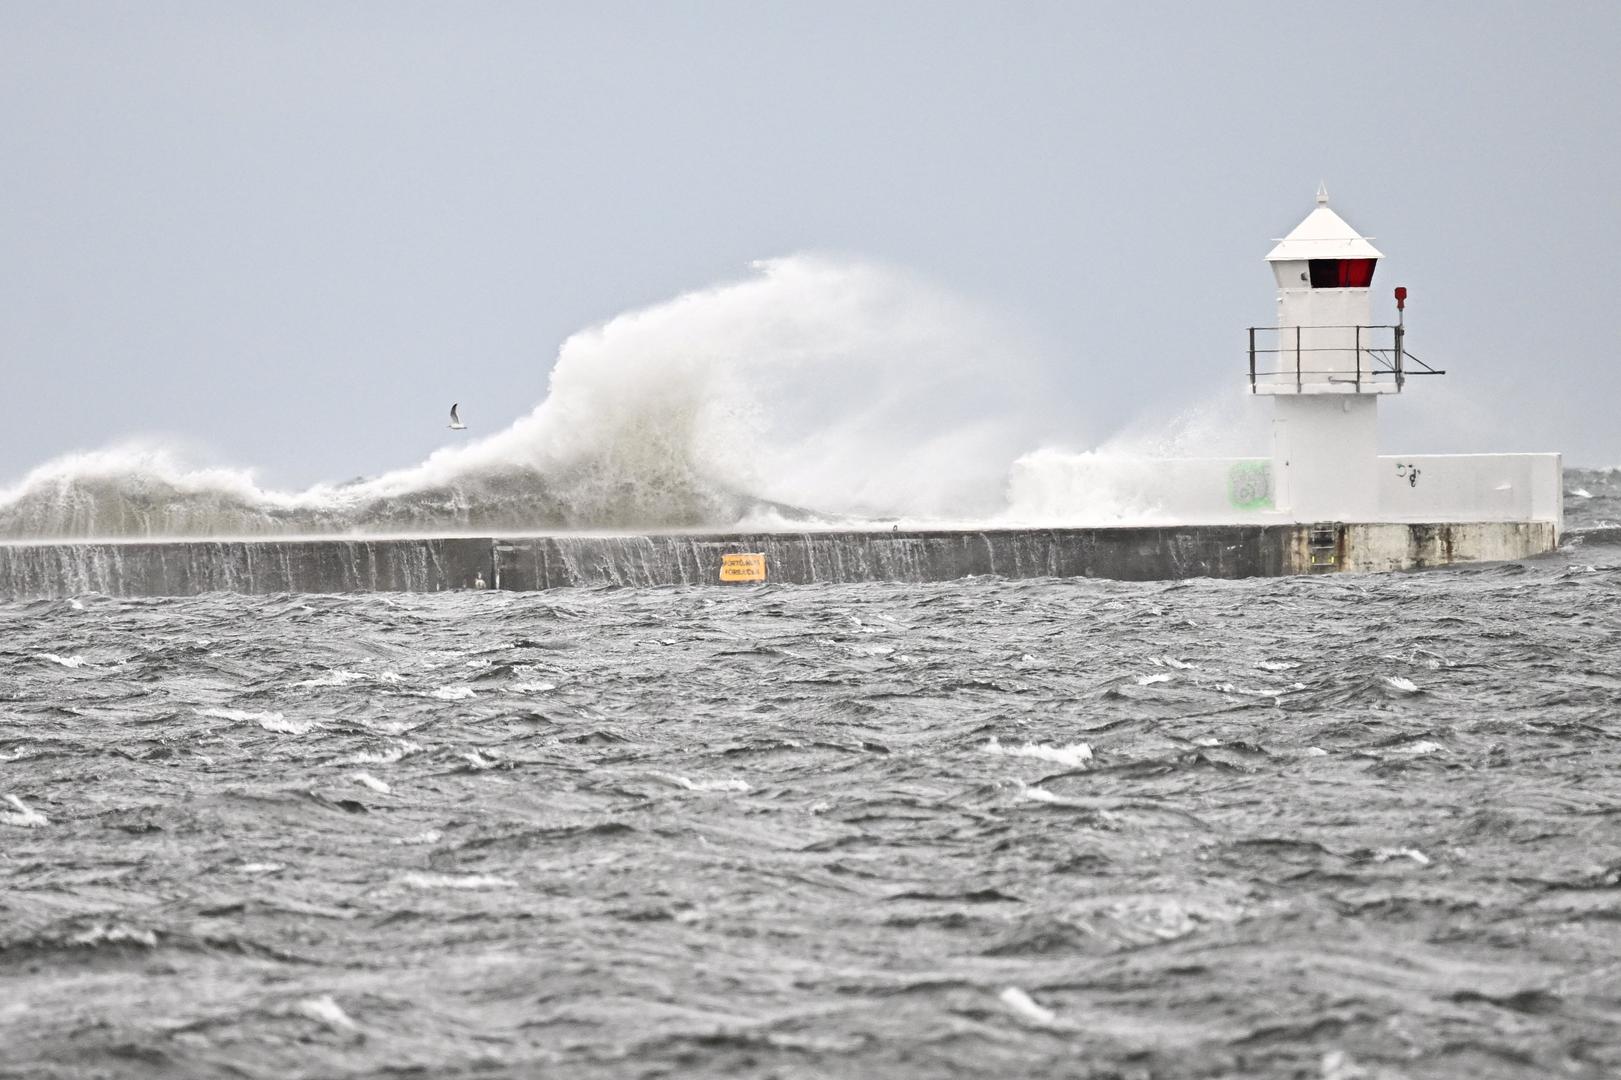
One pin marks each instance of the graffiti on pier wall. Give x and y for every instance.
(1249, 485)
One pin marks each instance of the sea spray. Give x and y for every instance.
(814, 386)
(1127, 480)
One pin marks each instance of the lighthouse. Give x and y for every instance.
(1324, 496)
(1325, 365)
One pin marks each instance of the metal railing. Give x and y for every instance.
(1377, 358)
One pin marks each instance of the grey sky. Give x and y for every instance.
(292, 233)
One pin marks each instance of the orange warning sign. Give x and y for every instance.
(743, 567)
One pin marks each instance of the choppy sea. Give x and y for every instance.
(1358, 826)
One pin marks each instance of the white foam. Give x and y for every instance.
(275, 722)
(1338, 1065)
(1423, 746)
(1581, 493)
(705, 785)
(262, 867)
(457, 881)
(429, 836)
(334, 678)
(1257, 691)
(1387, 854)
(324, 1010)
(1075, 755)
(1023, 1006)
(1028, 793)
(400, 749)
(270, 721)
(115, 934)
(1150, 680)
(454, 693)
(533, 687)
(25, 817)
(239, 715)
(1397, 682)
(1276, 665)
(65, 661)
(371, 781)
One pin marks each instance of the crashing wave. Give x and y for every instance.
(815, 382)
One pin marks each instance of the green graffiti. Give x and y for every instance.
(1249, 485)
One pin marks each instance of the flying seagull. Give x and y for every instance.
(455, 420)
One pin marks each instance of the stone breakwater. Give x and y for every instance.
(436, 563)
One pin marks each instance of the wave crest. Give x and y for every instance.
(815, 386)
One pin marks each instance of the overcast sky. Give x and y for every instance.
(290, 234)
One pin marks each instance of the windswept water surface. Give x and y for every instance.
(1336, 827)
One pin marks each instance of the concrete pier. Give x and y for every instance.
(429, 564)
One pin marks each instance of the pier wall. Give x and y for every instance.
(429, 564)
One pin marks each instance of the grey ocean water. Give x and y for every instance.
(1331, 827)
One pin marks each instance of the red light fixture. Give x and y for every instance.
(1401, 297)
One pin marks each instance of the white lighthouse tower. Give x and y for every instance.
(1324, 498)
(1325, 365)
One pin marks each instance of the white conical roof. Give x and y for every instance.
(1323, 235)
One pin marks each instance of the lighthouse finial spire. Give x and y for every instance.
(1322, 193)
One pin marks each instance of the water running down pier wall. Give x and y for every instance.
(429, 564)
